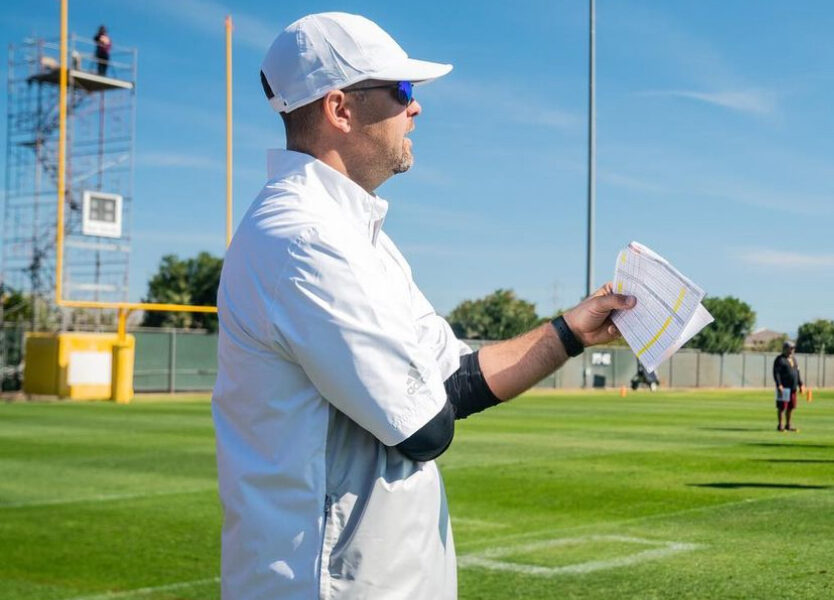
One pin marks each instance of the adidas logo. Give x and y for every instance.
(414, 381)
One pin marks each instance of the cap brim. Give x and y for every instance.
(413, 70)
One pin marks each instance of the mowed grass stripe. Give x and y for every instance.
(477, 545)
(48, 483)
(701, 468)
(55, 451)
(126, 544)
(145, 592)
(101, 498)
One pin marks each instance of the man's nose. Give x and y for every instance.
(414, 108)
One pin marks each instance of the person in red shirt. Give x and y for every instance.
(787, 378)
(103, 44)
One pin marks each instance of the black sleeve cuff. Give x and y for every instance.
(467, 390)
(432, 439)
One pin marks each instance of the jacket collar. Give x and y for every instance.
(365, 210)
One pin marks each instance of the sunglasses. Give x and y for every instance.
(403, 91)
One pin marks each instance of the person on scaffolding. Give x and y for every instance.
(103, 44)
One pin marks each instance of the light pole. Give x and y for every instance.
(589, 276)
(589, 279)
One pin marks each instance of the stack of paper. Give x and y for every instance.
(668, 312)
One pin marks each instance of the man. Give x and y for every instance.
(787, 378)
(338, 384)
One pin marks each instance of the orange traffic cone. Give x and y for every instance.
(809, 395)
(623, 392)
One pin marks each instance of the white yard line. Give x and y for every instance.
(609, 524)
(488, 558)
(555, 542)
(467, 522)
(148, 590)
(101, 498)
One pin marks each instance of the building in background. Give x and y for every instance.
(765, 340)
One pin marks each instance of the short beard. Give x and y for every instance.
(403, 161)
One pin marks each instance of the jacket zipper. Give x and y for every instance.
(326, 548)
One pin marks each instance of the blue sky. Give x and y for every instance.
(714, 139)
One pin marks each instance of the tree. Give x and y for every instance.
(498, 316)
(814, 336)
(734, 320)
(190, 281)
(16, 306)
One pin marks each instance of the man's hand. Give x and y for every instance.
(590, 320)
(513, 366)
(781, 389)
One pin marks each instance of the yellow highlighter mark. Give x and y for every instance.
(623, 261)
(679, 301)
(666, 324)
(652, 341)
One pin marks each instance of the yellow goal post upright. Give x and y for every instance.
(121, 386)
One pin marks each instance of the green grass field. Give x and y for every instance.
(667, 495)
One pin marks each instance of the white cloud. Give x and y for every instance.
(178, 239)
(518, 107)
(775, 178)
(530, 114)
(178, 160)
(208, 16)
(694, 59)
(629, 183)
(753, 101)
(247, 133)
(685, 51)
(429, 175)
(794, 201)
(780, 258)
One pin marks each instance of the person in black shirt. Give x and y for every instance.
(787, 378)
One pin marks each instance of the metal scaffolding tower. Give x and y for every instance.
(99, 168)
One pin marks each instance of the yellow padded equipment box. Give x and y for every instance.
(79, 366)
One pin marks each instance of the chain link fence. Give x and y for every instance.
(11, 356)
(172, 360)
(616, 366)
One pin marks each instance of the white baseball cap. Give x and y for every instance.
(330, 51)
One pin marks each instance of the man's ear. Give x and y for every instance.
(336, 110)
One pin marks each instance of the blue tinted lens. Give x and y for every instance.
(405, 92)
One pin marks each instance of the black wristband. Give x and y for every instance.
(572, 345)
